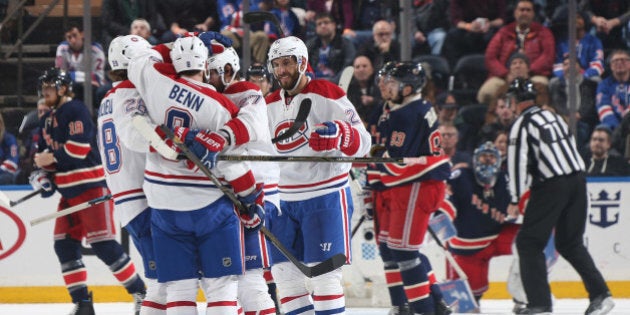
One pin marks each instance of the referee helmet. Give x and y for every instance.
(522, 89)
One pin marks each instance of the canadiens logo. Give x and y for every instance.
(296, 141)
(11, 239)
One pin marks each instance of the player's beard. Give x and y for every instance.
(288, 84)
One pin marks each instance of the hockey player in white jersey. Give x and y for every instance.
(223, 74)
(315, 197)
(123, 155)
(196, 228)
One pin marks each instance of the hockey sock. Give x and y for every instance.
(415, 280)
(112, 254)
(72, 268)
(436, 293)
(392, 277)
(271, 286)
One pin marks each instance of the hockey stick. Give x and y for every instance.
(323, 267)
(300, 120)
(465, 304)
(346, 77)
(356, 227)
(327, 159)
(263, 16)
(4, 199)
(70, 210)
(148, 132)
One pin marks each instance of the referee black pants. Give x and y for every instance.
(558, 203)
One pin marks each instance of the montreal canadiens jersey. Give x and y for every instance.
(70, 134)
(475, 229)
(176, 101)
(302, 180)
(124, 168)
(410, 130)
(250, 101)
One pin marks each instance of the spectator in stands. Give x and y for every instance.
(363, 91)
(610, 19)
(518, 67)
(257, 74)
(329, 52)
(142, 28)
(432, 23)
(450, 137)
(586, 113)
(473, 23)
(288, 20)
(499, 118)
(118, 15)
(524, 37)
(366, 13)
(602, 161)
(181, 17)
(340, 10)
(613, 93)
(69, 57)
(446, 107)
(382, 47)
(232, 27)
(29, 133)
(9, 156)
(501, 142)
(589, 50)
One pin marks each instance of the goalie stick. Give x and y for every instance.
(300, 120)
(263, 16)
(323, 267)
(70, 210)
(4, 199)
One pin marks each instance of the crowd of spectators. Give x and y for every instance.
(519, 38)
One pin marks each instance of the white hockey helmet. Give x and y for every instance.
(189, 53)
(218, 61)
(287, 46)
(123, 48)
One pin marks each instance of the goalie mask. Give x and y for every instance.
(486, 165)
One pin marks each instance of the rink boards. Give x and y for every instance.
(29, 271)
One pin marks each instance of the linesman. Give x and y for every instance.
(542, 156)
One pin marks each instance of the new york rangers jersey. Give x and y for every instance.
(178, 101)
(410, 130)
(69, 133)
(303, 180)
(471, 207)
(9, 155)
(72, 61)
(613, 101)
(246, 95)
(124, 168)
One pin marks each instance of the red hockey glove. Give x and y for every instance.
(255, 207)
(166, 140)
(335, 135)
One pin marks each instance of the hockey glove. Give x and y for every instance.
(207, 37)
(335, 135)
(204, 144)
(39, 180)
(166, 140)
(255, 207)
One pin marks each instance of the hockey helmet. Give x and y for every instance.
(287, 46)
(123, 48)
(189, 53)
(409, 74)
(384, 71)
(522, 90)
(486, 164)
(256, 70)
(56, 76)
(218, 61)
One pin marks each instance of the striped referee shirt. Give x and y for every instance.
(540, 147)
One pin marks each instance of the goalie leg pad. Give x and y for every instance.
(328, 293)
(221, 294)
(292, 292)
(253, 292)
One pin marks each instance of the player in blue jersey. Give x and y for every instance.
(69, 163)
(409, 191)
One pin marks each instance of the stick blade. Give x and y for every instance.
(326, 266)
(4, 200)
